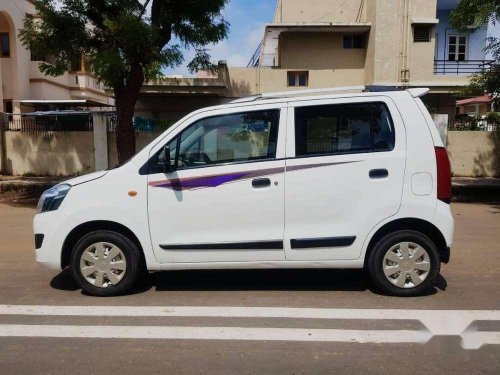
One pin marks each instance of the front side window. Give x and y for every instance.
(343, 128)
(224, 139)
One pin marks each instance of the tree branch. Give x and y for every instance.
(144, 8)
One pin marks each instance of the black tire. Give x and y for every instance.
(132, 257)
(376, 259)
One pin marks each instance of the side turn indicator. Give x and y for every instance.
(132, 193)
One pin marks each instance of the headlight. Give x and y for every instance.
(51, 199)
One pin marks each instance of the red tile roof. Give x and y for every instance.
(477, 100)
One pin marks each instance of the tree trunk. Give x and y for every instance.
(125, 100)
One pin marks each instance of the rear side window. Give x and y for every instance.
(343, 128)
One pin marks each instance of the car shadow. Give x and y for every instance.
(64, 281)
(250, 280)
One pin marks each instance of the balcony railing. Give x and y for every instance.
(50, 122)
(255, 59)
(461, 68)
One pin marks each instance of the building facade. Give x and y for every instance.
(327, 43)
(309, 44)
(23, 87)
(323, 43)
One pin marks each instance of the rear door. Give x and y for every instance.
(344, 174)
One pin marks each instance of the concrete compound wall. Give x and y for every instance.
(472, 154)
(141, 140)
(54, 153)
(57, 153)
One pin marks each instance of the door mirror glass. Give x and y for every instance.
(166, 160)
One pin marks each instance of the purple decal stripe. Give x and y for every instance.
(292, 168)
(192, 183)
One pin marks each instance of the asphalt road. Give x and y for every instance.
(267, 321)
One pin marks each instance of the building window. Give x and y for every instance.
(436, 47)
(76, 64)
(457, 47)
(7, 106)
(343, 128)
(354, 41)
(36, 56)
(5, 45)
(421, 34)
(298, 78)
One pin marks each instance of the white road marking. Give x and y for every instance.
(474, 340)
(215, 333)
(439, 322)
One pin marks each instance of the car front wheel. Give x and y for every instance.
(105, 263)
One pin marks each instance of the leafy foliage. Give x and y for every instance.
(481, 13)
(493, 118)
(124, 43)
(115, 34)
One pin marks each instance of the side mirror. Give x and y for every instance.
(166, 160)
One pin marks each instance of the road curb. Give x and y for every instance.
(476, 194)
(26, 188)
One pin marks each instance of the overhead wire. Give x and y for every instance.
(333, 11)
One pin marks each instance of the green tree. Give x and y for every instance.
(125, 43)
(481, 13)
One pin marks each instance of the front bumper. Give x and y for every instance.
(48, 249)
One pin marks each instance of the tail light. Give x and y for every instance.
(443, 175)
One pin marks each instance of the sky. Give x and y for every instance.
(247, 19)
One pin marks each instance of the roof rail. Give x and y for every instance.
(415, 92)
(384, 88)
(287, 94)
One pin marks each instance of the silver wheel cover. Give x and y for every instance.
(406, 265)
(103, 264)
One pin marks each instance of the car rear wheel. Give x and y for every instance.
(404, 263)
(105, 263)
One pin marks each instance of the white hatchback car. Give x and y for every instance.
(341, 178)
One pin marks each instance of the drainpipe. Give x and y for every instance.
(4, 120)
(405, 45)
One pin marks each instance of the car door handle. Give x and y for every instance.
(379, 173)
(261, 182)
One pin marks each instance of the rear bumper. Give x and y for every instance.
(443, 220)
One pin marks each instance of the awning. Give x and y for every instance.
(425, 21)
(64, 103)
(66, 113)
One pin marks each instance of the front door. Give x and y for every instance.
(224, 201)
(344, 175)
